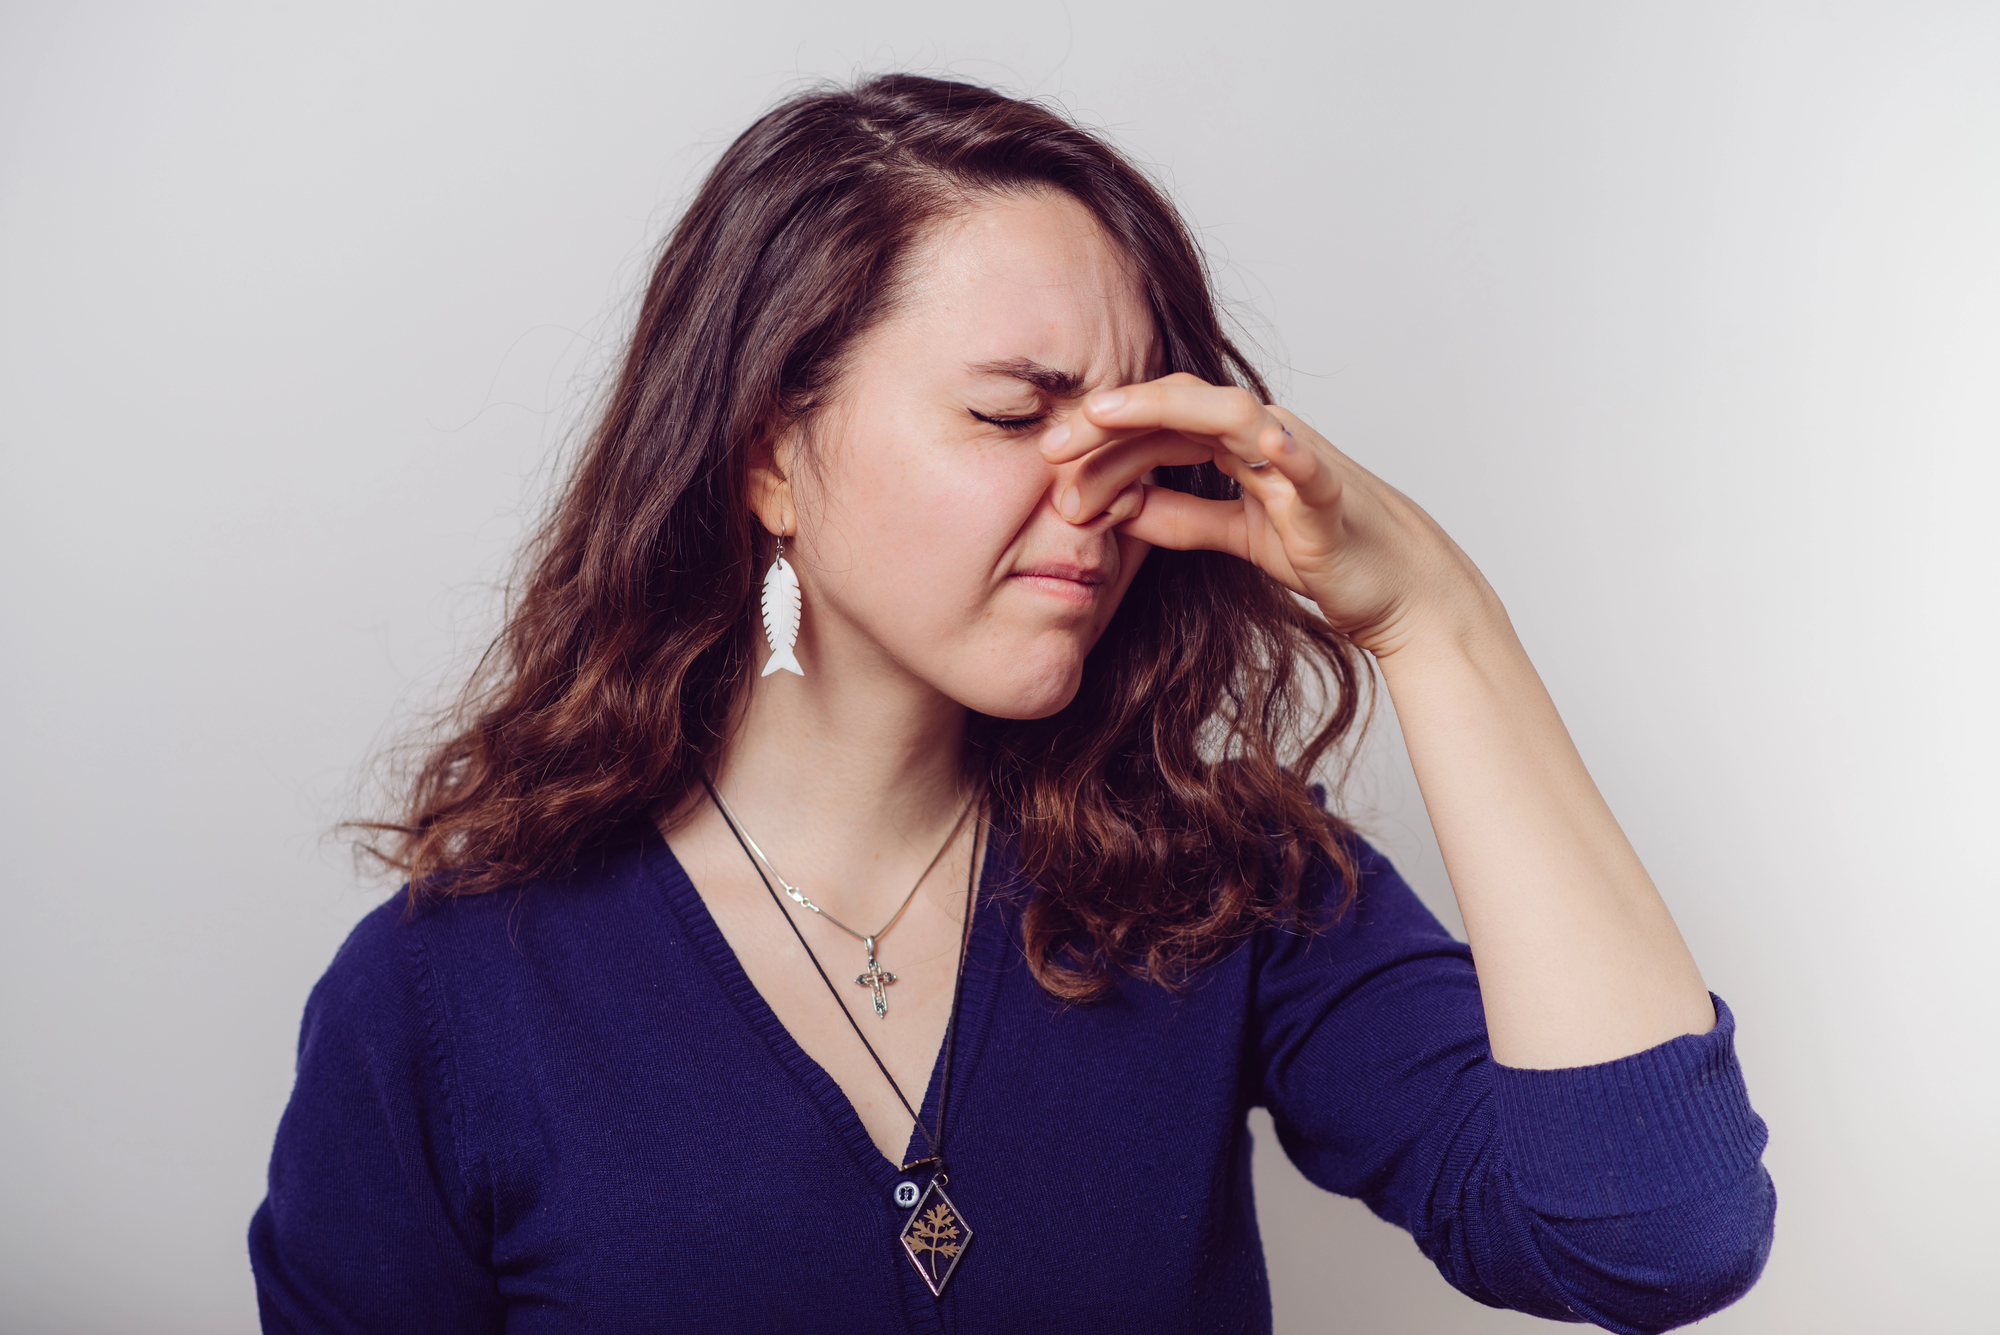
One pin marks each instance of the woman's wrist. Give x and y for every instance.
(1456, 619)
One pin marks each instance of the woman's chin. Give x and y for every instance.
(1028, 696)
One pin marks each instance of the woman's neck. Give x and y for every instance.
(846, 774)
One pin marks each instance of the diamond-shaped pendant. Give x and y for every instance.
(935, 1238)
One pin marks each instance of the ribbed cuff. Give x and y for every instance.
(1641, 1133)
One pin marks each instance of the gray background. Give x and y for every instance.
(1683, 318)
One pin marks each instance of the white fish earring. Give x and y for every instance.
(781, 613)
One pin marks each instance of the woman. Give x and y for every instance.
(913, 963)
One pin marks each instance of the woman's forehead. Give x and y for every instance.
(1027, 281)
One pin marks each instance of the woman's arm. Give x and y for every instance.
(1579, 961)
(369, 1225)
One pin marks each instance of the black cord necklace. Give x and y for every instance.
(935, 1235)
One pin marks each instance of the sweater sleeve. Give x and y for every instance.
(367, 1226)
(1629, 1194)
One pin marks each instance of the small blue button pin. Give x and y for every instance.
(906, 1194)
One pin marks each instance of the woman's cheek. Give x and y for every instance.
(989, 502)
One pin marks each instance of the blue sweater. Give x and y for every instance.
(566, 1109)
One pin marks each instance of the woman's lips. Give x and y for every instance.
(1073, 584)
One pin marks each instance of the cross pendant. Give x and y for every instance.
(877, 977)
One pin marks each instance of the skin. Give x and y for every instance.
(949, 563)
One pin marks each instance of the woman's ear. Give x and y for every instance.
(770, 483)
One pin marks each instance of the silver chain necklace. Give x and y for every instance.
(874, 976)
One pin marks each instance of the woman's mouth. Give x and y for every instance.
(1074, 584)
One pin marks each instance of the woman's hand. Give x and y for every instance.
(1313, 519)
(1579, 960)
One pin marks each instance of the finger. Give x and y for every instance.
(1271, 442)
(1306, 460)
(1184, 523)
(1126, 505)
(1226, 414)
(1181, 522)
(1075, 436)
(1086, 487)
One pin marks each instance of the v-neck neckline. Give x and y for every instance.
(984, 952)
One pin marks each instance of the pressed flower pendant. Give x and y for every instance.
(935, 1237)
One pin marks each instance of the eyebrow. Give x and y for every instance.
(1048, 379)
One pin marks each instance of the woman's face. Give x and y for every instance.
(928, 546)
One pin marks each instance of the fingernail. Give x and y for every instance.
(1287, 444)
(1070, 502)
(1056, 437)
(1109, 402)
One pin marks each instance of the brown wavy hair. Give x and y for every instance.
(1161, 815)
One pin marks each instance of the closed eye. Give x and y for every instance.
(1011, 423)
